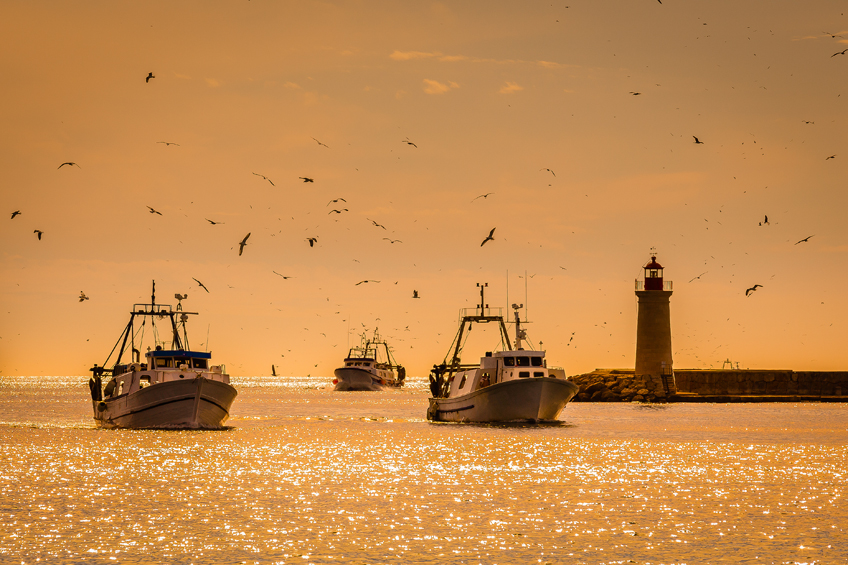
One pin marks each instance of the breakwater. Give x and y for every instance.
(714, 385)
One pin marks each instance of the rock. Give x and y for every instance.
(593, 388)
(582, 397)
(638, 398)
(609, 396)
(643, 392)
(596, 396)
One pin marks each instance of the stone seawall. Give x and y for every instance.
(622, 385)
(761, 382)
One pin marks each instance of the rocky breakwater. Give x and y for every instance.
(617, 385)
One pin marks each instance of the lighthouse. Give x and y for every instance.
(653, 330)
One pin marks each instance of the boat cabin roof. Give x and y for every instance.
(519, 353)
(178, 353)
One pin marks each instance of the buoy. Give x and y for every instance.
(101, 406)
(335, 381)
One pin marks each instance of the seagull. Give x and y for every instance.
(243, 243)
(698, 141)
(409, 143)
(752, 289)
(38, 232)
(637, 93)
(415, 294)
(376, 224)
(765, 221)
(152, 211)
(200, 284)
(213, 223)
(148, 77)
(831, 157)
(392, 240)
(338, 211)
(366, 281)
(311, 241)
(169, 143)
(839, 53)
(266, 178)
(488, 237)
(71, 163)
(336, 200)
(483, 195)
(82, 296)
(319, 143)
(699, 276)
(16, 213)
(306, 179)
(285, 277)
(803, 240)
(550, 171)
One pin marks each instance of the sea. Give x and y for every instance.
(304, 474)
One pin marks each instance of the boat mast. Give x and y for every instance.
(519, 333)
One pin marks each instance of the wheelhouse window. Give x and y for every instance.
(509, 361)
(536, 361)
(462, 382)
(164, 362)
(524, 374)
(522, 361)
(538, 373)
(199, 363)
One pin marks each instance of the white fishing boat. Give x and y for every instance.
(174, 388)
(512, 385)
(369, 366)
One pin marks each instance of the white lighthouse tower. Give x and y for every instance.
(653, 330)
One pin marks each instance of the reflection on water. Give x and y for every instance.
(309, 475)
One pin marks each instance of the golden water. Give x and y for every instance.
(308, 475)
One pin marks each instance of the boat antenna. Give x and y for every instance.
(207, 338)
(507, 289)
(519, 333)
(153, 296)
(525, 294)
(482, 298)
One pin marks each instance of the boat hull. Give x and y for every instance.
(197, 403)
(535, 399)
(358, 379)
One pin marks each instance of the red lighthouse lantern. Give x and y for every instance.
(653, 275)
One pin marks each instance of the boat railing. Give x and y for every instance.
(481, 312)
(667, 285)
(161, 309)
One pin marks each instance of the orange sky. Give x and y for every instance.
(492, 94)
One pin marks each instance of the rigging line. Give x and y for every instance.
(116, 343)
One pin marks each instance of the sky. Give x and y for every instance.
(578, 120)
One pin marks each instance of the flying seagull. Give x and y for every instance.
(699, 276)
(392, 240)
(839, 53)
(698, 141)
(306, 179)
(752, 289)
(152, 211)
(376, 224)
(831, 157)
(765, 221)
(319, 143)
(243, 243)
(71, 163)
(638, 93)
(415, 294)
(489, 237)
(82, 296)
(483, 196)
(16, 213)
(550, 171)
(38, 233)
(338, 211)
(803, 240)
(148, 77)
(169, 143)
(266, 178)
(366, 281)
(336, 200)
(213, 223)
(311, 241)
(409, 143)
(200, 284)
(284, 276)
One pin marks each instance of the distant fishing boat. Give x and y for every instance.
(369, 366)
(175, 388)
(510, 385)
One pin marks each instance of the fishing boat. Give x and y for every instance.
(174, 388)
(512, 385)
(369, 366)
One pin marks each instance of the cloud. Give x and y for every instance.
(435, 87)
(213, 82)
(407, 55)
(292, 85)
(510, 87)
